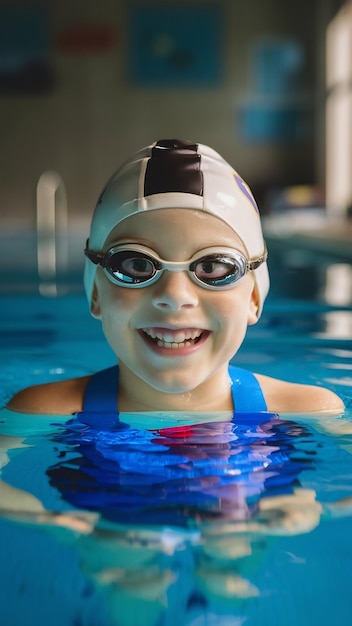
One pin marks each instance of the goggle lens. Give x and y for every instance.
(218, 270)
(131, 267)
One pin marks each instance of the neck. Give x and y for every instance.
(135, 395)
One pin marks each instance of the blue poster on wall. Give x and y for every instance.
(277, 108)
(260, 122)
(175, 45)
(25, 45)
(277, 67)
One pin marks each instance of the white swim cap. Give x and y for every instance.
(179, 174)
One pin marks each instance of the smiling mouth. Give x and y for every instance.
(174, 339)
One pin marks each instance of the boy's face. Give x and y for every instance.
(199, 329)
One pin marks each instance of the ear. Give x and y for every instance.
(95, 307)
(253, 308)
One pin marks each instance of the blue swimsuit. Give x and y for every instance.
(174, 476)
(177, 474)
(102, 392)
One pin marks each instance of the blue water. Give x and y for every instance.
(216, 524)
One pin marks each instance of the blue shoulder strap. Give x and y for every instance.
(247, 395)
(100, 399)
(101, 391)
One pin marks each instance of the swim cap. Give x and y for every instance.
(179, 174)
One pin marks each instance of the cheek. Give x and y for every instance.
(233, 308)
(114, 299)
(118, 308)
(232, 304)
(122, 300)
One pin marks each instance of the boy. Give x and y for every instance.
(176, 271)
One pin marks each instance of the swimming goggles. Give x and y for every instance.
(135, 266)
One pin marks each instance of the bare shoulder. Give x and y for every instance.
(63, 397)
(285, 397)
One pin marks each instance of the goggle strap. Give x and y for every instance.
(98, 258)
(253, 265)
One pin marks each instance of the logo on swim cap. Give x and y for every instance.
(246, 191)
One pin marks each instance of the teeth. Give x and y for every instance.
(173, 345)
(173, 340)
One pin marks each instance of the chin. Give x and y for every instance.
(173, 384)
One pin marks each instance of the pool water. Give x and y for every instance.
(224, 523)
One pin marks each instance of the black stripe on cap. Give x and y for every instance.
(174, 166)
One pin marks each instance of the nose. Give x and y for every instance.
(174, 291)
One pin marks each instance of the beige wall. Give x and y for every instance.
(94, 117)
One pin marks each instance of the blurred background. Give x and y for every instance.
(85, 83)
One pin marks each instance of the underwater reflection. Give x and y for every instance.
(176, 525)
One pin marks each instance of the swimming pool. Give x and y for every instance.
(224, 524)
